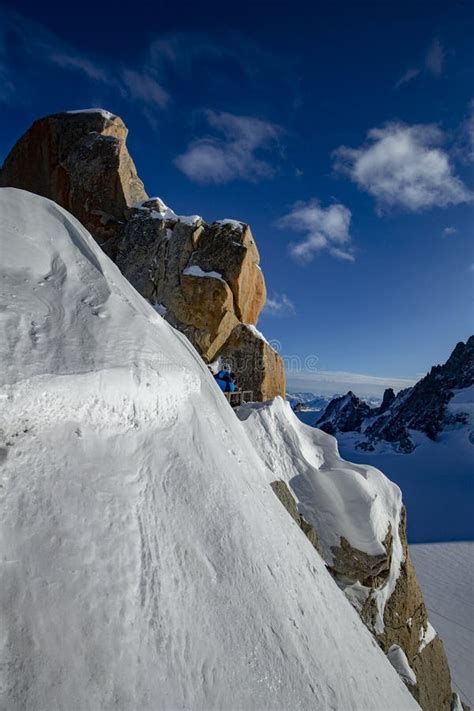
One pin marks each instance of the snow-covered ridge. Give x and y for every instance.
(146, 562)
(337, 498)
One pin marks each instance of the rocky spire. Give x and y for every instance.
(204, 279)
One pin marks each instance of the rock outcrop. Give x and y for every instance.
(258, 366)
(205, 279)
(406, 626)
(424, 407)
(79, 160)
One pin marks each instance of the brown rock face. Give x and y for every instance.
(258, 367)
(205, 278)
(369, 570)
(405, 619)
(80, 161)
(229, 249)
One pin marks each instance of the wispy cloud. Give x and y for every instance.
(432, 64)
(78, 63)
(324, 229)
(434, 59)
(409, 75)
(143, 87)
(42, 46)
(278, 305)
(234, 154)
(403, 166)
(448, 231)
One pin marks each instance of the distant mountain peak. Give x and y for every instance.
(423, 408)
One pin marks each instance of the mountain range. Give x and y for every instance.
(434, 404)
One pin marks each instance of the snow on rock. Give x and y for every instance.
(195, 270)
(236, 224)
(256, 332)
(160, 211)
(427, 635)
(339, 499)
(146, 563)
(102, 112)
(399, 661)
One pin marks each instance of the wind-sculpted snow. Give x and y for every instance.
(337, 498)
(146, 562)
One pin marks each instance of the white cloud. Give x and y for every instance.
(278, 305)
(403, 166)
(328, 382)
(325, 228)
(434, 59)
(449, 231)
(409, 75)
(232, 155)
(145, 88)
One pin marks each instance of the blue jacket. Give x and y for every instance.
(224, 381)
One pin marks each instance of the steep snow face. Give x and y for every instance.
(337, 498)
(146, 563)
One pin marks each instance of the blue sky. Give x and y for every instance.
(342, 132)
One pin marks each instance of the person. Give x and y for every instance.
(225, 380)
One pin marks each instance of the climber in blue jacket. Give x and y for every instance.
(225, 380)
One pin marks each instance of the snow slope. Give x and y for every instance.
(146, 563)
(445, 572)
(337, 498)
